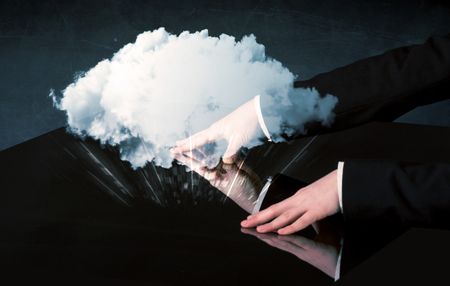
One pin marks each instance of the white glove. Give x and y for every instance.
(240, 128)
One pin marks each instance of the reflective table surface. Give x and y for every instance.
(72, 211)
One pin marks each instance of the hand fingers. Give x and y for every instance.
(196, 154)
(230, 155)
(188, 140)
(284, 219)
(188, 161)
(249, 231)
(284, 245)
(196, 166)
(299, 241)
(268, 241)
(273, 240)
(199, 139)
(256, 234)
(229, 167)
(265, 215)
(229, 159)
(305, 220)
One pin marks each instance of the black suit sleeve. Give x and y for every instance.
(382, 88)
(412, 194)
(386, 86)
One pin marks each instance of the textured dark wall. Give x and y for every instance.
(44, 43)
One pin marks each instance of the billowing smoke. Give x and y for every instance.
(164, 87)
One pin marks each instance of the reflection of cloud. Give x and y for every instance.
(164, 87)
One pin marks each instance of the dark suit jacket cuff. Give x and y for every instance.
(389, 192)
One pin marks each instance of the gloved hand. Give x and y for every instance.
(239, 128)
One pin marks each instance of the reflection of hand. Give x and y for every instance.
(236, 181)
(238, 128)
(322, 256)
(311, 203)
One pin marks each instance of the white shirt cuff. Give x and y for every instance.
(340, 172)
(262, 124)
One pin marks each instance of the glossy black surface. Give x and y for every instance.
(72, 211)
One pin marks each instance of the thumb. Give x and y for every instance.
(195, 141)
(230, 155)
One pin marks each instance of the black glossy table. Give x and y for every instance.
(71, 211)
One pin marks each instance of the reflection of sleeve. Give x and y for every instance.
(340, 173)
(337, 273)
(382, 87)
(411, 194)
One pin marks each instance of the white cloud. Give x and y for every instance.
(164, 87)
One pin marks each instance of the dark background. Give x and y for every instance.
(43, 44)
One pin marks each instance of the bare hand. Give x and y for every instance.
(310, 204)
(320, 255)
